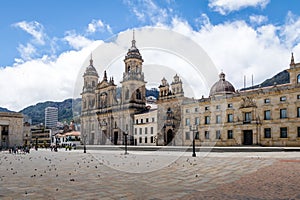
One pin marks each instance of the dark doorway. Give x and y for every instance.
(4, 137)
(169, 137)
(116, 134)
(248, 137)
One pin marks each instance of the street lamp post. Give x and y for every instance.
(84, 141)
(193, 129)
(36, 143)
(125, 135)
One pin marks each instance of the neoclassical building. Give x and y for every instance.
(11, 129)
(267, 116)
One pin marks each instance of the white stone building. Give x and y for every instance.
(145, 126)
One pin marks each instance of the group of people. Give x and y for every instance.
(19, 149)
(66, 146)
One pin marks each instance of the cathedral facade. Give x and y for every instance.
(105, 117)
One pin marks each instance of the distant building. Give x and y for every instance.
(51, 117)
(40, 136)
(11, 129)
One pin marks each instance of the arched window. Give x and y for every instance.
(127, 94)
(138, 94)
(298, 78)
(128, 69)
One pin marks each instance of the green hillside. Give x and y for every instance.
(65, 110)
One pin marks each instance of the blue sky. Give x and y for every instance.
(239, 35)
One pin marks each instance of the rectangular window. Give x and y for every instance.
(230, 134)
(147, 120)
(196, 109)
(218, 119)
(151, 139)
(151, 130)
(218, 107)
(267, 100)
(206, 135)
(136, 121)
(153, 119)
(141, 121)
(229, 105)
(197, 120)
(141, 140)
(283, 98)
(135, 131)
(187, 111)
(141, 131)
(146, 140)
(267, 114)
(197, 135)
(187, 135)
(230, 118)
(298, 112)
(206, 108)
(207, 120)
(283, 132)
(283, 113)
(247, 117)
(218, 134)
(146, 130)
(298, 131)
(187, 121)
(267, 132)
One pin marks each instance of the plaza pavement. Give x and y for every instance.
(153, 175)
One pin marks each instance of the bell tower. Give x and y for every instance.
(90, 78)
(133, 84)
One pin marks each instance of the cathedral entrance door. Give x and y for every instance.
(170, 136)
(248, 137)
(116, 134)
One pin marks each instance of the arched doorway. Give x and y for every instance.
(169, 137)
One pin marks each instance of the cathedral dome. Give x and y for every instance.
(221, 87)
(90, 70)
(133, 52)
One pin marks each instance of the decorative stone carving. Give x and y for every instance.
(247, 102)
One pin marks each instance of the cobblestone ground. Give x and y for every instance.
(112, 175)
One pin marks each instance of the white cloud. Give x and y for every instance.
(147, 10)
(27, 51)
(98, 25)
(43, 79)
(35, 29)
(76, 41)
(239, 49)
(226, 6)
(290, 31)
(258, 19)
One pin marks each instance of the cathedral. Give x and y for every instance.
(266, 115)
(105, 117)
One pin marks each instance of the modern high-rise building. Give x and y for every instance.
(51, 117)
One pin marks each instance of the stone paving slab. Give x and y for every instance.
(44, 174)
